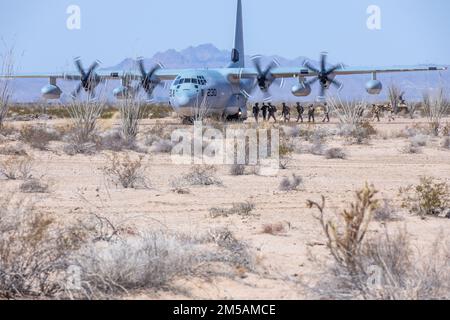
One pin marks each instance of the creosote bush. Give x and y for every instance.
(126, 172)
(385, 266)
(429, 198)
(202, 176)
(16, 168)
(290, 184)
(243, 209)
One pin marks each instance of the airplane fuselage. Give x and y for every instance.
(208, 92)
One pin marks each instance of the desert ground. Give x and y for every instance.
(285, 263)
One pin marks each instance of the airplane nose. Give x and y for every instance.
(183, 101)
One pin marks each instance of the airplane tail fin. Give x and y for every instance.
(238, 54)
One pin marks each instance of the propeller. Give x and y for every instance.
(264, 78)
(148, 81)
(324, 75)
(88, 80)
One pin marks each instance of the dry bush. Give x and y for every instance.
(243, 209)
(130, 115)
(419, 140)
(84, 116)
(237, 170)
(32, 251)
(274, 229)
(7, 68)
(335, 153)
(436, 108)
(344, 238)
(202, 176)
(114, 141)
(34, 186)
(285, 153)
(38, 136)
(386, 212)
(161, 146)
(428, 198)
(153, 259)
(16, 168)
(126, 172)
(37, 254)
(411, 148)
(384, 267)
(394, 97)
(13, 150)
(290, 184)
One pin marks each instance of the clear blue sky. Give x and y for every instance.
(413, 31)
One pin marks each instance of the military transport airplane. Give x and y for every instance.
(223, 91)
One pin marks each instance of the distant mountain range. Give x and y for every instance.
(208, 56)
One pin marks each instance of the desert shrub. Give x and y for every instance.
(130, 115)
(335, 153)
(16, 168)
(391, 268)
(84, 117)
(13, 150)
(419, 140)
(428, 198)
(291, 132)
(161, 146)
(202, 176)
(285, 153)
(152, 259)
(411, 148)
(237, 170)
(274, 229)
(115, 141)
(436, 107)
(88, 148)
(37, 136)
(7, 67)
(34, 186)
(126, 172)
(242, 209)
(344, 238)
(290, 184)
(32, 253)
(385, 212)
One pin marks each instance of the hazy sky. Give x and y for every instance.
(412, 31)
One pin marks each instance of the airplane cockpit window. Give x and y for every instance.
(181, 81)
(187, 80)
(194, 81)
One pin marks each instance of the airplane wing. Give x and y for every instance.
(161, 74)
(292, 72)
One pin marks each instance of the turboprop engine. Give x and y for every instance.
(301, 90)
(374, 86)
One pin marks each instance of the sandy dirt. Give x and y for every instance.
(284, 262)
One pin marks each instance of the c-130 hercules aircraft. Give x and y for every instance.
(220, 92)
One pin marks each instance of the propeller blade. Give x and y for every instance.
(269, 68)
(309, 66)
(79, 66)
(334, 68)
(337, 84)
(257, 64)
(322, 91)
(312, 81)
(77, 90)
(140, 63)
(323, 61)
